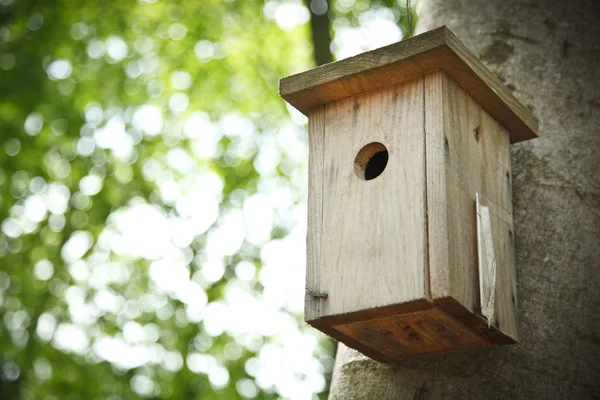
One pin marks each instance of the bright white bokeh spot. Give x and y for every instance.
(86, 146)
(376, 28)
(200, 201)
(96, 48)
(141, 384)
(172, 361)
(200, 363)
(205, 134)
(12, 228)
(180, 160)
(71, 338)
(37, 184)
(116, 48)
(43, 270)
(168, 275)
(218, 377)
(12, 146)
(216, 316)
(34, 123)
(270, 8)
(93, 113)
(236, 125)
(181, 80)
(178, 102)
(57, 198)
(77, 245)
(148, 63)
(149, 119)
(56, 222)
(212, 270)
(247, 388)
(258, 217)
(228, 237)
(142, 232)
(90, 185)
(59, 69)
(133, 69)
(245, 270)
(107, 300)
(35, 208)
(177, 31)
(288, 15)
(46, 324)
(113, 136)
(79, 270)
(204, 50)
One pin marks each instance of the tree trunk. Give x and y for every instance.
(320, 30)
(549, 54)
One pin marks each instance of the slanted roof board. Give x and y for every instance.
(433, 50)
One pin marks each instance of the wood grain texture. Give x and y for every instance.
(402, 249)
(438, 49)
(468, 152)
(419, 333)
(373, 232)
(316, 137)
(410, 330)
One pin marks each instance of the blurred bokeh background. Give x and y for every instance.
(153, 194)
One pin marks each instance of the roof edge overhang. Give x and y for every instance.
(438, 49)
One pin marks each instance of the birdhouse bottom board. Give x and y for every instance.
(401, 259)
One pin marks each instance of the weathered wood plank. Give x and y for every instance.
(468, 152)
(373, 232)
(439, 49)
(313, 297)
(416, 334)
(498, 197)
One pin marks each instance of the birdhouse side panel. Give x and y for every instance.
(497, 193)
(373, 231)
(468, 155)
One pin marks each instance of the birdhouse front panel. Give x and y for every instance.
(373, 229)
(410, 244)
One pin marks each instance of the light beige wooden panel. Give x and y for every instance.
(316, 139)
(373, 232)
(498, 195)
(449, 122)
(467, 153)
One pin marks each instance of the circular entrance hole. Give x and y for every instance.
(370, 161)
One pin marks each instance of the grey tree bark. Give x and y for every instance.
(548, 52)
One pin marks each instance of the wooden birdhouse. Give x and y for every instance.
(410, 217)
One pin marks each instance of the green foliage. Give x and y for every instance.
(132, 134)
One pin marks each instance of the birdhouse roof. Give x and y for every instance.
(438, 49)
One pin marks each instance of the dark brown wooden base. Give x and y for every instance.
(405, 331)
